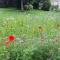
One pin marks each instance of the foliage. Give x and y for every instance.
(28, 7)
(54, 8)
(39, 31)
(20, 4)
(46, 5)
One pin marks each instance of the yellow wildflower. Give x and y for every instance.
(41, 29)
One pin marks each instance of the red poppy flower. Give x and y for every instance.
(7, 44)
(11, 38)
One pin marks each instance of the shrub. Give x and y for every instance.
(40, 5)
(35, 5)
(46, 5)
(28, 7)
(54, 7)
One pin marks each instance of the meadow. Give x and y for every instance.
(37, 35)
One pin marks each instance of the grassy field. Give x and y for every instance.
(37, 35)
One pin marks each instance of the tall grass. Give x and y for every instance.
(37, 35)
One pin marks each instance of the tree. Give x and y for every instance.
(9, 3)
(46, 5)
(20, 4)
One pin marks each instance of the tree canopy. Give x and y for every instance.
(19, 4)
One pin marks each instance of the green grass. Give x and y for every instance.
(25, 27)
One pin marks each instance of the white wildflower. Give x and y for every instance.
(19, 40)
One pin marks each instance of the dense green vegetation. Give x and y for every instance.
(27, 4)
(37, 35)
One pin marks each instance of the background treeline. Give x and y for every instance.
(26, 4)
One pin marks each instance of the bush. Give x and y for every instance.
(54, 7)
(46, 6)
(58, 10)
(35, 5)
(28, 7)
(40, 5)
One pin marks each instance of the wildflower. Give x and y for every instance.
(11, 38)
(41, 29)
(7, 44)
(58, 25)
(55, 41)
(19, 40)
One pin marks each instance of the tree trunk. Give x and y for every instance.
(21, 4)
